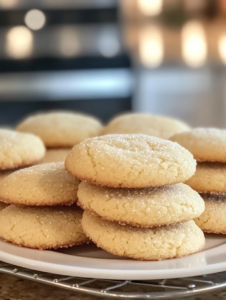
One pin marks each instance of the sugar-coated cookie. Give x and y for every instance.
(40, 185)
(209, 178)
(55, 155)
(213, 219)
(19, 149)
(142, 207)
(158, 126)
(42, 227)
(144, 243)
(206, 144)
(61, 129)
(130, 161)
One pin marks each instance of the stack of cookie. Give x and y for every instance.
(60, 131)
(18, 150)
(42, 213)
(208, 145)
(134, 203)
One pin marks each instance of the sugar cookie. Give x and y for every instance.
(157, 126)
(40, 185)
(213, 219)
(42, 227)
(61, 129)
(209, 178)
(19, 149)
(206, 144)
(142, 207)
(130, 161)
(144, 243)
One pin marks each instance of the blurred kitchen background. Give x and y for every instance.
(105, 57)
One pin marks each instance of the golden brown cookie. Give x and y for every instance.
(142, 207)
(19, 149)
(42, 227)
(159, 126)
(130, 161)
(209, 178)
(206, 144)
(40, 185)
(156, 243)
(61, 129)
(213, 219)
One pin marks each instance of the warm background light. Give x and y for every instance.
(194, 48)
(222, 48)
(68, 42)
(35, 19)
(151, 49)
(19, 42)
(8, 3)
(150, 7)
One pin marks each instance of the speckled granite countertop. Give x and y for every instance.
(14, 288)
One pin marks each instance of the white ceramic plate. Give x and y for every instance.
(89, 261)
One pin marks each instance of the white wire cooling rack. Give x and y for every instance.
(124, 289)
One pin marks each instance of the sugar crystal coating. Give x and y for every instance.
(19, 149)
(213, 218)
(206, 144)
(45, 184)
(133, 123)
(142, 207)
(209, 177)
(62, 128)
(130, 161)
(141, 243)
(42, 227)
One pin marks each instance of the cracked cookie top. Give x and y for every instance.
(19, 149)
(135, 123)
(61, 129)
(46, 184)
(142, 207)
(130, 161)
(155, 243)
(206, 144)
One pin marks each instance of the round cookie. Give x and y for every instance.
(209, 178)
(142, 207)
(213, 219)
(130, 161)
(144, 243)
(40, 185)
(157, 126)
(206, 144)
(55, 155)
(61, 129)
(19, 149)
(42, 227)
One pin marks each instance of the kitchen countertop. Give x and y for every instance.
(14, 288)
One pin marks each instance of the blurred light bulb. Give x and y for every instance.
(35, 19)
(150, 7)
(151, 49)
(108, 43)
(194, 48)
(222, 48)
(19, 42)
(8, 3)
(68, 42)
